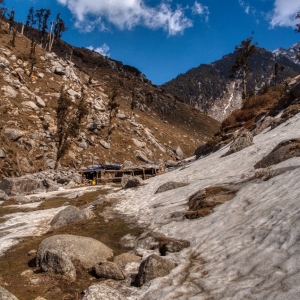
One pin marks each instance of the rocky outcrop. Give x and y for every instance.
(69, 215)
(102, 292)
(85, 250)
(129, 181)
(241, 140)
(170, 186)
(152, 267)
(6, 295)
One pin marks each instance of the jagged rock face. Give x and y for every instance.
(28, 113)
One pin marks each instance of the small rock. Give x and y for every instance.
(2, 153)
(129, 181)
(102, 292)
(105, 144)
(39, 102)
(108, 270)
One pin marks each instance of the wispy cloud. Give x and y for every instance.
(127, 14)
(284, 13)
(199, 9)
(247, 8)
(104, 49)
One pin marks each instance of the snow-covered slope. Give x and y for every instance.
(248, 248)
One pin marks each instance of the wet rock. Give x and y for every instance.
(152, 267)
(69, 215)
(108, 270)
(58, 262)
(6, 295)
(129, 181)
(170, 186)
(102, 292)
(86, 250)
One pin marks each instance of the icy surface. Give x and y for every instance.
(249, 247)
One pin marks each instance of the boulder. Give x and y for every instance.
(69, 215)
(13, 134)
(29, 105)
(6, 295)
(102, 292)
(296, 89)
(58, 262)
(4, 62)
(9, 91)
(20, 199)
(85, 250)
(170, 186)
(123, 259)
(2, 153)
(177, 150)
(39, 102)
(108, 270)
(105, 144)
(242, 139)
(152, 267)
(141, 156)
(21, 185)
(172, 245)
(139, 144)
(129, 181)
(3, 196)
(59, 71)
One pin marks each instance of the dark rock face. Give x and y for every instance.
(281, 152)
(243, 140)
(131, 181)
(154, 266)
(170, 186)
(6, 295)
(69, 215)
(87, 251)
(108, 270)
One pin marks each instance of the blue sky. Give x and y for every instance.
(163, 38)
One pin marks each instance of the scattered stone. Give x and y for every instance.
(129, 181)
(40, 75)
(9, 92)
(86, 250)
(121, 116)
(141, 156)
(170, 186)
(152, 267)
(102, 292)
(13, 134)
(139, 144)
(177, 150)
(49, 56)
(108, 270)
(2, 153)
(6, 295)
(39, 102)
(105, 144)
(69, 215)
(4, 63)
(29, 105)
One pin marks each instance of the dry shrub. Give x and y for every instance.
(243, 115)
(230, 120)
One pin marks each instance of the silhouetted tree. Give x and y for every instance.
(59, 27)
(39, 19)
(244, 51)
(298, 31)
(2, 12)
(277, 69)
(11, 19)
(113, 109)
(69, 117)
(30, 21)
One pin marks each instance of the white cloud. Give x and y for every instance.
(247, 8)
(127, 14)
(104, 49)
(199, 9)
(284, 13)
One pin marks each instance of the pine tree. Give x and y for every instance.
(244, 51)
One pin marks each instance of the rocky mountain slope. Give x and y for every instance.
(290, 53)
(209, 89)
(222, 226)
(28, 111)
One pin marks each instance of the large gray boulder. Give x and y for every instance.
(152, 267)
(86, 250)
(177, 150)
(69, 215)
(170, 186)
(21, 185)
(58, 262)
(6, 295)
(242, 139)
(108, 270)
(102, 292)
(129, 181)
